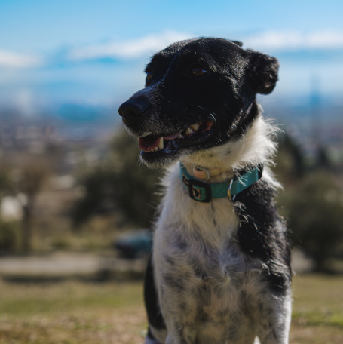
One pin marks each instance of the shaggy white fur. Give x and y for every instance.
(255, 147)
(207, 229)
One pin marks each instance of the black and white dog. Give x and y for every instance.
(220, 269)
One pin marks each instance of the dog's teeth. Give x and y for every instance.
(189, 131)
(145, 134)
(161, 143)
(195, 126)
(155, 149)
(180, 136)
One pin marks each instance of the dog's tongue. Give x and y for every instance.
(148, 143)
(171, 136)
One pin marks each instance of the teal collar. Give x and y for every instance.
(204, 192)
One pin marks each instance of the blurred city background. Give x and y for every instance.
(76, 209)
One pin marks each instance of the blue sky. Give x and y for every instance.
(95, 51)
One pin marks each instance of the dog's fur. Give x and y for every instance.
(220, 271)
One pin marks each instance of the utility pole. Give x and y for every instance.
(315, 115)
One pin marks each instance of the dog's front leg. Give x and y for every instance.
(179, 323)
(278, 330)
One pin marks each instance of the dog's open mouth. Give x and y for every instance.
(194, 134)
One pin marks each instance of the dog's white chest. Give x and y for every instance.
(206, 290)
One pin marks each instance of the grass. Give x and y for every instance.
(317, 310)
(71, 312)
(31, 299)
(74, 312)
(321, 304)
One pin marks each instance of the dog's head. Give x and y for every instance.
(199, 93)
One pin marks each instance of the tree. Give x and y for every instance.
(120, 185)
(290, 166)
(8, 233)
(315, 215)
(29, 182)
(322, 158)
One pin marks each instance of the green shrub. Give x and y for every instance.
(61, 243)
(9, 236)
(315, 215)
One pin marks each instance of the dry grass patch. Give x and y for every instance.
(70, 313)
(101, 327)
(317, 310)
(78, 313)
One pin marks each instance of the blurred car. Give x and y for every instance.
(134, 244)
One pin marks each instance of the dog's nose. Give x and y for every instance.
(132, 109)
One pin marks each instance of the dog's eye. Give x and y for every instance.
(198, 71)
(148, 76)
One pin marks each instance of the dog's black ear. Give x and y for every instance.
(264, 71)
(240, 44)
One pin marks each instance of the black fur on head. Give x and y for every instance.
(208, 85)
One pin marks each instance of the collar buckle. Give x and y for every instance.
(199, 191)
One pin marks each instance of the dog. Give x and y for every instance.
(220, 266)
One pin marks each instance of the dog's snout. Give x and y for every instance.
(132, 109)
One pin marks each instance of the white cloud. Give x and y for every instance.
(293, 40)
(129, 49)
(10, 59)
(147, 45)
